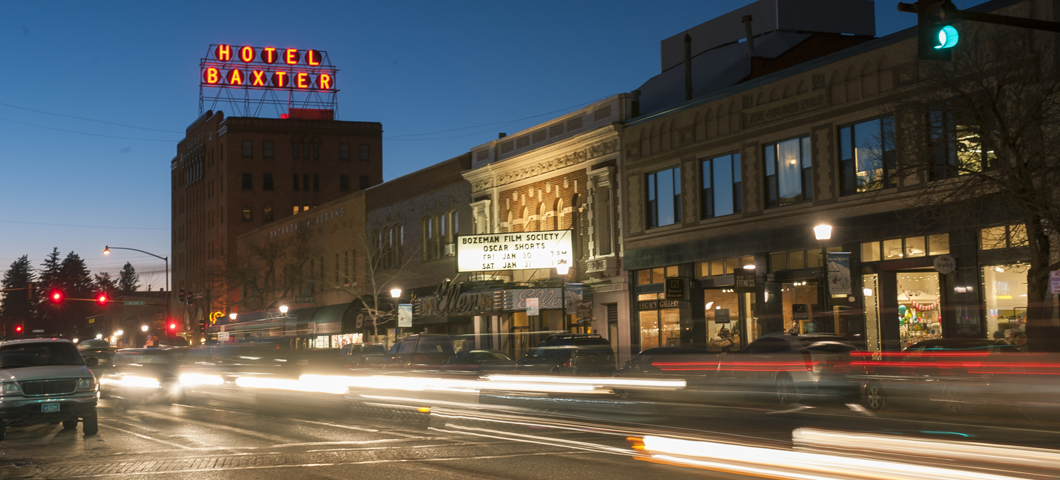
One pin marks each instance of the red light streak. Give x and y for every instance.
(211, 75)
(324, 81)
(235, 77)
(302, 80)
(312, 57)
(258, 78)
(246, 54)
(268, 55)
(279, 79)
(290, 56)
(223, 53)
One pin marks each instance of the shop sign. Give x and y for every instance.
(449, 299)
(532, 308)
(1054, 282)
(515, 300)
(222, 336)
(675, 288)
(800, 311)
(657, 304)
(405, 315)
(579, 301)
(945, 264)
(513, 251)
(744, 281)
(304, 299)
(721, 315)
(839, 273)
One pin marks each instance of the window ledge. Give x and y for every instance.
(788, 208)
(850, 197)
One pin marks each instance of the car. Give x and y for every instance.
(953, 375)
(419, 351)
(98, 349)
(47, 381)
(480, 361)
(361, 355)
(570, 354)
(142, 375)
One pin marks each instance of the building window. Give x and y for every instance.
(428, 238)
(365, 183)
(955, 145)
(294, 150)
(789, 172)
(725, 266)
(722, 189)
(248, 181)
(664, 197)
(295, 210)
(908, 247)
(316, 151)
(295, 182)
(655, 275)
(344, 151)
(266, 181)
(305, 151)
(344, 183)
(1005, 236)
(305, 182)
(248, 149)
(316, 182)
(867, 155)
(266, 213)
(248, 214)
(364, 152)
(266, 149)
(400, 244)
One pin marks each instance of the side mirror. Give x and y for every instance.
(92, 362)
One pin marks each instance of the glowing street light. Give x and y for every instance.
(119, 333)
(822, 232)
(395, 292)
(233, 316)
(143, 328)
(562, 268)
(283, 309)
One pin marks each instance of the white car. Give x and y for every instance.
(45, 380)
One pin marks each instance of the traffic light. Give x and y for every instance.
(18, 329)
(102, 299)
(935, 34)
(202, 326)
(172, 327)
(56, 296)
(181, 296)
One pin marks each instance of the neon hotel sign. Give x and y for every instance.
(267, 67)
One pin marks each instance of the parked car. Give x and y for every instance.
(482, 361)
(953, 375)
(142, 375)
(361, 355)
(46, 381)
(419, 351)
(570, 354)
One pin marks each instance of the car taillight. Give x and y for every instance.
(86, 384)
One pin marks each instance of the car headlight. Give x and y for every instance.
(86, 384)
(9, 388)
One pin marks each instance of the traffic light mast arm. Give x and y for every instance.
(950, 11)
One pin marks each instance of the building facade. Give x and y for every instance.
(233, 175)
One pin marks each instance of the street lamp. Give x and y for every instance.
(106, 251)
(562, 268)
(823, 233)
(283, 309)
(119, 333)
(233, 316)
(143, 328)
(395, 293)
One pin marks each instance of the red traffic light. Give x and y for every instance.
(101, 299)
(56, 296)
(173, 326)
(18, 328)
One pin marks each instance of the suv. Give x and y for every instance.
(792, 366)
(46, 381)
(570, 354)
(419, 351)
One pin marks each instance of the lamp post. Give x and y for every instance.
(106, 251)
(823, 233)
(562, 269)
(283, 309)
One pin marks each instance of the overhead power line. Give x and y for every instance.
(89, 119)
(84, 226)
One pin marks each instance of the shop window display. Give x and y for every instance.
(919, 307)
(799, 302)
(659, 328)
(723, 325)
(1005, 295)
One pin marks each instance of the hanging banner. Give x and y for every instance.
(405, 315)
(839, 273)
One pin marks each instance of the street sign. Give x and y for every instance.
(532, 307)
(304, 299)
(222, 336)
(134, 302)
(945, 264)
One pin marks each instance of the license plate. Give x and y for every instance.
(49, 407)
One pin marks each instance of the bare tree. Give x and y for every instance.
(984, 135)
(267, 270)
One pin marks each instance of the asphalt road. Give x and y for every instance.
(219, 441)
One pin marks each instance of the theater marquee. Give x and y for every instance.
(513, 251)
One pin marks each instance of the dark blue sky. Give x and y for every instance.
(417, 67)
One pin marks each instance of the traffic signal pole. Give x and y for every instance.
(947, 11)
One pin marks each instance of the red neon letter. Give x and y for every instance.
(324, 81)
(279, 79)
(223, 53)
(290, 56)
(268, 54)
(258, 79)
(246, 54)
(312, 57)
(211, 75)
(235, 77)
(302, 80)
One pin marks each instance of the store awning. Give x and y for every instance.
(330, 313)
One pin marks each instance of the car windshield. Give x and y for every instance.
(93, 344)
(489, 357)
(39, 354)
(141, 359)
(373, 349)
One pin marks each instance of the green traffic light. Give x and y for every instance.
(948, 37)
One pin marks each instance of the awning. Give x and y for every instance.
(330, 313)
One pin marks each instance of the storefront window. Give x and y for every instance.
(1006, 236)
(919, 307)
(915, 247)
(670, 321)
(1005, 295)
(649, 323)
(799, 302)
(723, 319)
(872, 311)
(939, 244)
(892, 249)
(870, 252)
(796, 260)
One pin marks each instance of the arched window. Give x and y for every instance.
(400, 253)
(560, 217)
(526, 219)
(511, 221)
(390, 250)
(542, 223)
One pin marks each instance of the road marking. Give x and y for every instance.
(551, 442)
(151, 438)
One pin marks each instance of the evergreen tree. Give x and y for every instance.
(128, 280)
(48, 279)
(105, 284)
(17, 308)
(77, 280)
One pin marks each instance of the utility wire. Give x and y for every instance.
(83, 226)
(86, 133)
(88, 119)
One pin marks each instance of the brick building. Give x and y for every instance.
(233, 175)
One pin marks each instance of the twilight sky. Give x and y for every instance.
(418, 67)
